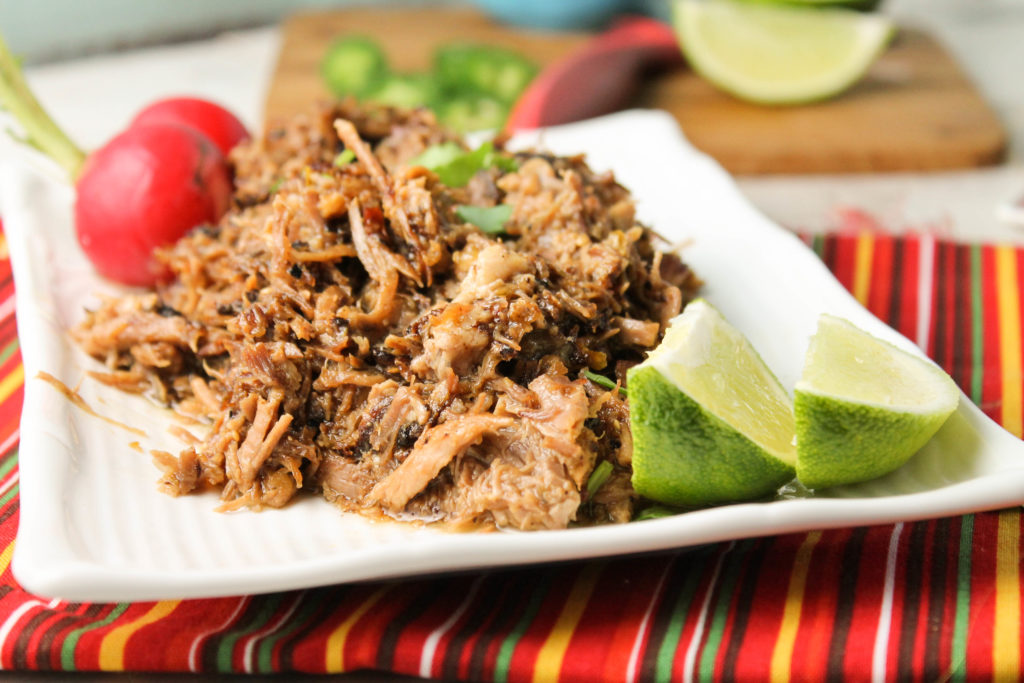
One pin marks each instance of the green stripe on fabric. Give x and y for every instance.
(264, 655)
(706, 666)
(8, 351)
(9, 495)
(508, 647)
(9, 462)
(977, 325)
(671, 643)
(958, 656)
(226, 647)
(67, 649)
(818, 245)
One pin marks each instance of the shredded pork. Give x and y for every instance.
(343, 331)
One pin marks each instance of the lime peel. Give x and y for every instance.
(863, 406)
(710, 422)
(779, 54)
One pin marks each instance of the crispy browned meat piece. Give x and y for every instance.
(345, 332)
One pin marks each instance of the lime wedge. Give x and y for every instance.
(864, 407)
(710, 422)
(779, 54)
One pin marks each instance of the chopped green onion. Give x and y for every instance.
(598, 477)
(344, 158)
(456, 167)
(656, 512)
(276, 185)
(602, 381)
(436, 156)
(489, 219)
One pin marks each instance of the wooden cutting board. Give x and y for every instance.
(916, 110)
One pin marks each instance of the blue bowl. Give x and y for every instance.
(559, 15)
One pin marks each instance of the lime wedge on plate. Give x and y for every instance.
(710, 422)
(864, 407)
(779, 54)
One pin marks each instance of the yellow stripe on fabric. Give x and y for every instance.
(1008, 304)
(11, 382)
(552, 652)
(335, 656)
(1006, 634)
(862, 267)
(782, 655)
(113, 645)
(5, 557)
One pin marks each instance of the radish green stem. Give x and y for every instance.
(41, 131)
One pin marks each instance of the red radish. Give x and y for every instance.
(145, 188)
(212, 120)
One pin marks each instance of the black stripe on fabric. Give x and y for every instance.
(937, 593)
(329, 599)
(429, 594)
(20, 654)
(485, 608)
(44, 655)
(8, 330)
(10, 510)
(6, 276)
(685, 576)
(845, 603)
(507, 611)
(743, 601)
(911, 601)
(45, 652)
(828, 251)
(244, 622)
(896, 288)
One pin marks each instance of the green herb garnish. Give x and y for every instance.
(598, 477)
(602, 381)
(490, 219)
(456, 167)
(344, 158)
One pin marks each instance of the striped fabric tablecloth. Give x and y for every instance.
(934, 600)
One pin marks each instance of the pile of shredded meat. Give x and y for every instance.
(343, 331)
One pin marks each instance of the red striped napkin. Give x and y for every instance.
(934, 600)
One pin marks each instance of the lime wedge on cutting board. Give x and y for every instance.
(864, 407)
(711, 423)
(779, 54)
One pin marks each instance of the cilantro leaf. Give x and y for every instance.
(436, 156)
(456, 167)
(489, 219)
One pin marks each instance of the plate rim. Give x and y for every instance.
(55, 569)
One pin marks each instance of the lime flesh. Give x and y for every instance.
(779, 54)
(864, 407)
(710, 422)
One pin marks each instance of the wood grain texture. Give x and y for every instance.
(915, 110)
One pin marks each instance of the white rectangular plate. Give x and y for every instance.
(93, 526)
